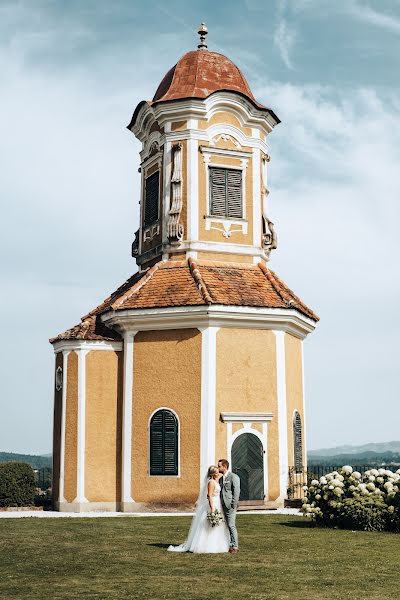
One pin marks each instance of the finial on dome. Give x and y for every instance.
(202, 31)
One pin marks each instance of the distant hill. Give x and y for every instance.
(36, 461)
(371, 454)
(347, 449)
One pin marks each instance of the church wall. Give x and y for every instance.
(57, 432)
(71, 429)
(294, 390)
(104, 389)
(225, 118)
(246, 382)
(167, 374)
(221, 256)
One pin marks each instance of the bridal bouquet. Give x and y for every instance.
(215, 518)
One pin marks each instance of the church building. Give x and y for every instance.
(199, 355)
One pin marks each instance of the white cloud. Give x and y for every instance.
(284, 35)
(369, 15)
(335, 203)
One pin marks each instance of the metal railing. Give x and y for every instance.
(298, 477)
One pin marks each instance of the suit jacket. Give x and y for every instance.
(230, 491)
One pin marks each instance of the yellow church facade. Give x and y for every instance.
(199, 355)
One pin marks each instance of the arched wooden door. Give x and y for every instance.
(248, 462)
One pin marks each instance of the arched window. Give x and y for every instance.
(297, 441)
(164, 443)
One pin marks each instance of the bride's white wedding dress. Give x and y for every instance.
(202, 536)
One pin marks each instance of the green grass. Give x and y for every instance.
(281, 557)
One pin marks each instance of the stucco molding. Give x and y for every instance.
(244, 417)
(127, 413)
(208, 398)
(74, 345)
(282, 413)
(81, 426)
(186, 317)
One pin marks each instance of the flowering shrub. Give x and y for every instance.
(349, 500)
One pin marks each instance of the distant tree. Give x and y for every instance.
(17, 484)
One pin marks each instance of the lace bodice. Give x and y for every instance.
(217, 489)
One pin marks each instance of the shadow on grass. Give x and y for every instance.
(160, 545)
(299, 524)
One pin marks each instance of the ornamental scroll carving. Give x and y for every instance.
(175, 229)
(135, 244)
(269, 237)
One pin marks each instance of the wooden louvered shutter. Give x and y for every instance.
(164, 444)
(234, 194)
(218, 192)
(226, 193)
(297, 442)
(151, 199)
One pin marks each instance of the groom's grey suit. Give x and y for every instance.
(230, 492)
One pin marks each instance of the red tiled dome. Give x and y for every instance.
(200, 73)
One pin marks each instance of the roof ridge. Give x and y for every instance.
(195, 272)
(268, 274)
(103, 305)
(135, 288)
(293, 295)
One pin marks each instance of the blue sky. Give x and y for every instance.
(71, 74)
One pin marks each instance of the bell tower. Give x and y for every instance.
(199, 354)
(204, 165)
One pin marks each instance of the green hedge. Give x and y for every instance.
(17, 484)
(351, 500)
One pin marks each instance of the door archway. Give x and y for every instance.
(248, 462)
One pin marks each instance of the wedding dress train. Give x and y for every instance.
(202, 536)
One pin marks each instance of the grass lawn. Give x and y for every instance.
(280, 557)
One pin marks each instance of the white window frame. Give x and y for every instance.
(226, 222)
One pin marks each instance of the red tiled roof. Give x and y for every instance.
(189, 283)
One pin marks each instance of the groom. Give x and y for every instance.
(230, 492)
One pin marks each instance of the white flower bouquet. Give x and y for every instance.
(215, 518)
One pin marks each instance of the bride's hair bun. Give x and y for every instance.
(212, 470)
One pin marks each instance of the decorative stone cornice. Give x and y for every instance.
(187, 317)
(244, 417)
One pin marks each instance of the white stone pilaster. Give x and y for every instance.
(282, 412)
(208, 398)
(192, 190)
(63, 421)
(126, 497)
(81, 436)
(304, 432)
(256, 198)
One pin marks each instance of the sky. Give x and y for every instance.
(71, 74)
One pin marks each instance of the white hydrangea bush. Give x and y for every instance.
(346, 498)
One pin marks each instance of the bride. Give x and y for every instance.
(202, 536)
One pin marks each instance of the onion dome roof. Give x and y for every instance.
(200, 73)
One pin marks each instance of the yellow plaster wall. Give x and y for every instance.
(104, 385)
(294, 390)
(167, 374)
(178, 125)
(57, 410)
(71, 429)
(224, 117)
(225, 257)
(246, 382)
